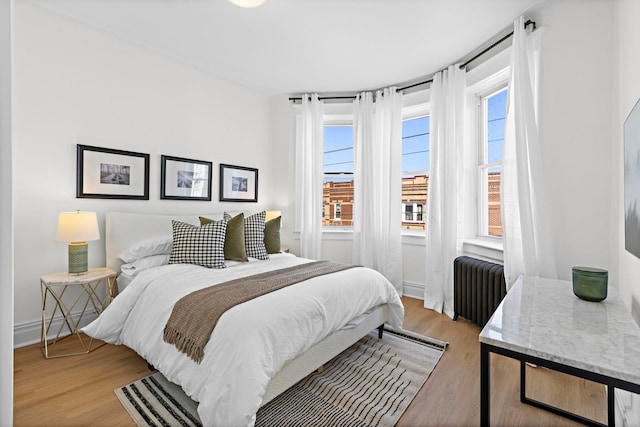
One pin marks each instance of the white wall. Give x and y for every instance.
(627, 78)
(75, 84)
(628, 93)
(575, 129)
(6, 220)
(283, 169)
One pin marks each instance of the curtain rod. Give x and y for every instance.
(424, 82)
(469, 61)
(322, 98)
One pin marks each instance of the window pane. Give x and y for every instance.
(494, 213)
(337, 192)
(415, 145)
(338, 149)
(337, 201)
(415, 168)
(495, 116)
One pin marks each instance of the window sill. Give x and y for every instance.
(487, 249)
(337, 233)
(415, 238)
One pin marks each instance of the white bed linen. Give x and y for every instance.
(251, 341)
(123, 281)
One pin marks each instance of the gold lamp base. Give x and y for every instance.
(78, 257)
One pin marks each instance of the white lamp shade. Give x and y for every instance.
(248, 4)
(77, 227)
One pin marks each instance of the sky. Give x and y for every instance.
(338, 141)
(497, 111)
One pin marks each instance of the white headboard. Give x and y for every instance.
(123, 229)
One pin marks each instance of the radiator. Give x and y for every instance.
(478, 289)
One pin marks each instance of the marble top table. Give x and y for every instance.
(541, 321)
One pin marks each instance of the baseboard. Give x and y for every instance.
(29, 333)
(413, 290)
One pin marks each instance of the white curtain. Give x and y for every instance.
(377, 234)
(309, 173)
(527, 243)
(445, 179)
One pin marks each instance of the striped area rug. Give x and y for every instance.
(369, 384)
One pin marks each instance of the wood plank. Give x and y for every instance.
(78, 390)
(451, 395)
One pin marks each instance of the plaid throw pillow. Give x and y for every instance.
(198, 245)
(234, 237)
(254, 236)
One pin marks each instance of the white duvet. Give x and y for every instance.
(251, 341)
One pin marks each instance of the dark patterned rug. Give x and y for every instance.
(369, 384)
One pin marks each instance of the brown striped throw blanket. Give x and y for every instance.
(195, 315)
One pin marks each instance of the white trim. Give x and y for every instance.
(485, 82)
(486, 249)
(337, 233)
(29, 332)
(418, 109)
(413, 238)
(6, 215)
(413, 290)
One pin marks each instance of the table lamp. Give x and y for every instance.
(271, 215)
(77, 228)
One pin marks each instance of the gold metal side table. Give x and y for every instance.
(54, 286)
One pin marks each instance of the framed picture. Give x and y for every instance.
(185, 179)
(238, 184)
(631, 132)
(103, 173)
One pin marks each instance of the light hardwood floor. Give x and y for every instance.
(78, 390)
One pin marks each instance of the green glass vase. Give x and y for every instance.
(589, 283)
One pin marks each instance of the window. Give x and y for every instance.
(415, 171)
(338, 173)
(337, 191)
(408, 212)
(493, 112)
(413, 212)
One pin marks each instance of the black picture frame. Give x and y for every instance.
(185, 179)
(105, 173)
(238, 184)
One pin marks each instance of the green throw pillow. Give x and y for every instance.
(272, 235)
(234, 239)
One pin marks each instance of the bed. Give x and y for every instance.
(258, 348)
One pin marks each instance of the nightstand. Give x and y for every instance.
(86, 295)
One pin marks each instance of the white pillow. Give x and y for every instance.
(145, 263)
(147, 247)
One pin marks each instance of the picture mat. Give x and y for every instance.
(229, 174)
(91, 173)
(200, 174)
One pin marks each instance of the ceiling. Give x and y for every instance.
(298, 46)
